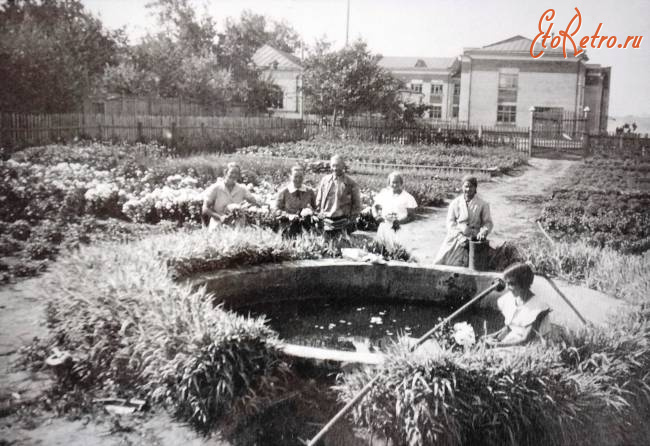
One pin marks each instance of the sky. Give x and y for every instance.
(437, 28)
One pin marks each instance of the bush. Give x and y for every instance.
(132, 330)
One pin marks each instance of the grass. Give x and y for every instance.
(132, 328)
(552, 394)
(604, 269)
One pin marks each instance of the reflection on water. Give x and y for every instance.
(360, 325)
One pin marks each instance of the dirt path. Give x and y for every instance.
(514, 203)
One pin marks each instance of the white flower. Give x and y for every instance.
(306, 212)
(464, 334)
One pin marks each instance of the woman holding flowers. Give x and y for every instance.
(468, 218)
(393, 207)
(225, 193)
(524, 313)
(295, 203)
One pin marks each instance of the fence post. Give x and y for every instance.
(585, 134)
(530, 131)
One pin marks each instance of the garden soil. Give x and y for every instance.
(514, 200)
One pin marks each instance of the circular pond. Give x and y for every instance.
(353, 306)
(360, 324)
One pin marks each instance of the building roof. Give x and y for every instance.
(268, 56)
(521, 45)
(416, 63)
(515, 43)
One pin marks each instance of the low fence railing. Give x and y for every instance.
(193, 134)
(435, 132)
(186, 134)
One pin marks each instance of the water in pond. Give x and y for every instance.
(348, 324)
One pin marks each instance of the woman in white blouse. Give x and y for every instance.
(393, 207)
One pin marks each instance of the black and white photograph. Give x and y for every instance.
(324, 223)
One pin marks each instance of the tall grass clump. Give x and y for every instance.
(131, 329)
(604, 269)
(582, 393)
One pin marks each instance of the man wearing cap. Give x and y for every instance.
(468, 218)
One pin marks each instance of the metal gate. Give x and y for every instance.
(556, 133)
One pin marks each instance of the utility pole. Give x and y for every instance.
(347, 25)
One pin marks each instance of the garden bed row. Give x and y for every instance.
(52, 195)
(487, 159)
(603, 204)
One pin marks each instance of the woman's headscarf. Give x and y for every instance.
(471, 180)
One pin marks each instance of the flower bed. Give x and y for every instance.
(503, 159)
(604, 202)
(62, 188)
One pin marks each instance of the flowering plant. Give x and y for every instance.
(464, 334)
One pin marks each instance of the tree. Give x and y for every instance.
(179, 60)
(242, 38)
(53, 53)
(349, 81)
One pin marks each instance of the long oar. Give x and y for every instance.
(555, 287)
(497, 285)
(566, 299)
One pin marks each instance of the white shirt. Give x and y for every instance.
(398, 204)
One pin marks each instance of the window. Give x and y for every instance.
(276, 97)
(508, 80)
(436, 89)
(507, 96)
(456, 89)
(436, 112)
(454, 111)
(508, 83)
(506, 114)
(416, 88)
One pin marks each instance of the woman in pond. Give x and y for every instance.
(524, 313)
(468, 219)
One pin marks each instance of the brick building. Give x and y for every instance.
(499, 83)
(495, 85)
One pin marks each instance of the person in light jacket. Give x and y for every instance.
(468, 218)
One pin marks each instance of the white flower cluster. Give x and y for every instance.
(464, 334)
(100, 191)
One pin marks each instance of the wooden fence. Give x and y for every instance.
(153, 106)
(187, 134)
(625, 145)
(435, 132)
(192, 134)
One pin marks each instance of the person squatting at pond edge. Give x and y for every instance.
(338, 201)
(468, 218)
(295, 199)
(524, 313)
(223, 193)
(393, 207)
